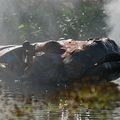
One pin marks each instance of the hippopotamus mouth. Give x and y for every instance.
(66, 60)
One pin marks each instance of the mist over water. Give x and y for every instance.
(41, 20)
(112, 10)
(12, 14)
(6, 9)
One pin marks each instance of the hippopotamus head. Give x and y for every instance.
(81, 62)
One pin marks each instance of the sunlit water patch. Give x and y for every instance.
(26, 101)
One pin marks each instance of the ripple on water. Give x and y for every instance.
(76, 102)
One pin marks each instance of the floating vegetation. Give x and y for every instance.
(90, 96)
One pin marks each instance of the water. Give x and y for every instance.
(27, 101)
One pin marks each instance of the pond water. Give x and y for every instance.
(27, 101)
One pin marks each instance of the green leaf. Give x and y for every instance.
(21, 26)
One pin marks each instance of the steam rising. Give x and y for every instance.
(11, 11)
(112, 9)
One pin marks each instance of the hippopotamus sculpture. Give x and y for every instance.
(67, 60)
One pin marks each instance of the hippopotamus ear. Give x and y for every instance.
(112, 57)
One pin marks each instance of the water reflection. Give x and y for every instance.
(73, 102)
